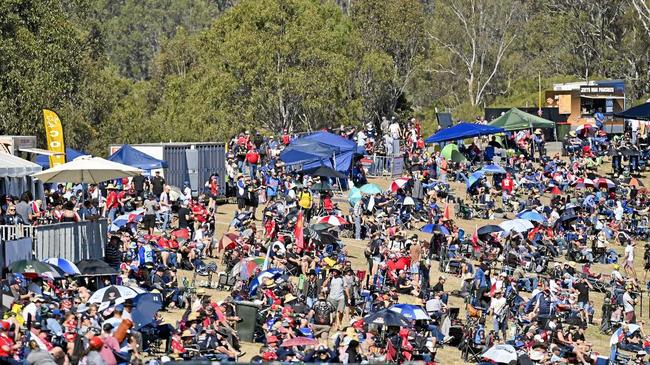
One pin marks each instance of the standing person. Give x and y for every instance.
(628, 305)
(396, 133)
(252, 159)
(628, 263)
(165, 207)
(157, 184)
(415, 252)
(272, 186)
(184, 216)
(151, 207)
(357, 212)
(499, 310)
(336, 296)
(241, 193)
(253, 196)
(305, 201)
(138, 184)
(213, 186)
(112, 203)
(24, 208)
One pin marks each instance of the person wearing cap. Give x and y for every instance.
(336, 295)
(7, 345)
(499, 311)
(151, 208)
(112, 203)
(116, 319)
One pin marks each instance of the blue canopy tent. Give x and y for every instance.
(321, 149)
(639, 112)
(70, 154)
(462, 131)
(128, 155)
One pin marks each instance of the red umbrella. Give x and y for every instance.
(399, 184)
(334, 220)
(299, 341)
(556, 191)
(398, 264)
(229, 241)
(602, 182)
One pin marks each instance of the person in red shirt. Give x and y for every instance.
(252, 158)
(507, 185)
(213, 185)
(7, 345)
(112, 203)
(285, 138)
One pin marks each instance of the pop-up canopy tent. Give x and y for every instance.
(639, 112)
(320, 149)
(15, 176)
(515, 120)
(70, 154)
(462, 131)
(129, 156)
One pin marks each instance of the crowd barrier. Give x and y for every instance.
(72, 241)
(384, 166)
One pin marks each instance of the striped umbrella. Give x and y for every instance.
(602, 182)
(399, 184)
(410, 311)
(582, 183)
(67, 266)
(113, 294)
(334, 220)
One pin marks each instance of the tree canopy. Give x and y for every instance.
(185, 70)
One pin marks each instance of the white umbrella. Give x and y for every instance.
(86, 169)
(501, 354)
(408, 201)
(113, 293)
(517, 225)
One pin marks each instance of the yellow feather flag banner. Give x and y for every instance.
(54, 134)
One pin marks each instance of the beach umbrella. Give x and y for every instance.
(87, 169)
(434, 228)
(490, 228)
(124, 219)
(501, 353)
(299, 341)
(111, 294)
(410, 311)
(319, 227)
(397, 264)
(67, 266)
(532, 215)
(145, 307)
(370, 189)
(333, 220)
(517, 225)
(408, 201)
(582, 183)
(386, 317)
(354, 196)
(31, 268)
(474, 178)
(95, 268)
(451, 153)
(266, 274)
(585, 128)
(493, 169)
(399, 184)
(246, 267)
(602, 182)
(229, 240)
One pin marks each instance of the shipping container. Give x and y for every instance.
(191, 162)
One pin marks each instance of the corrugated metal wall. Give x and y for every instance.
(72, 241)
(176, 172)
(211, 159)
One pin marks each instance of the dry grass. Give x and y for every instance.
(446, 355)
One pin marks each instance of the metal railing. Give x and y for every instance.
(385, 166)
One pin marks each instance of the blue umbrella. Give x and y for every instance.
(146, 306)
(67, 266)
(370, 189)
(432, 228)
(410, 311)
(354, 196)
(493, 169)
(131, 217)
(532, 215)
(474, 178)
(266, 274)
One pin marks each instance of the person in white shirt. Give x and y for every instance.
(165, 207)
(628, 263)
(361, 138)
(498, 308)
(396, 133)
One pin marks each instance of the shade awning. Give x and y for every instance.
(602, 97)
(13, 166)
(40, 151)
(639, 112)
(515, 120)
(462, 131)
(130, 156)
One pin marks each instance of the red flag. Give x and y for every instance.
(474, 239)
(448, 214)
(298, 232)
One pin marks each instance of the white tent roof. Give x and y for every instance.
(12, 166)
